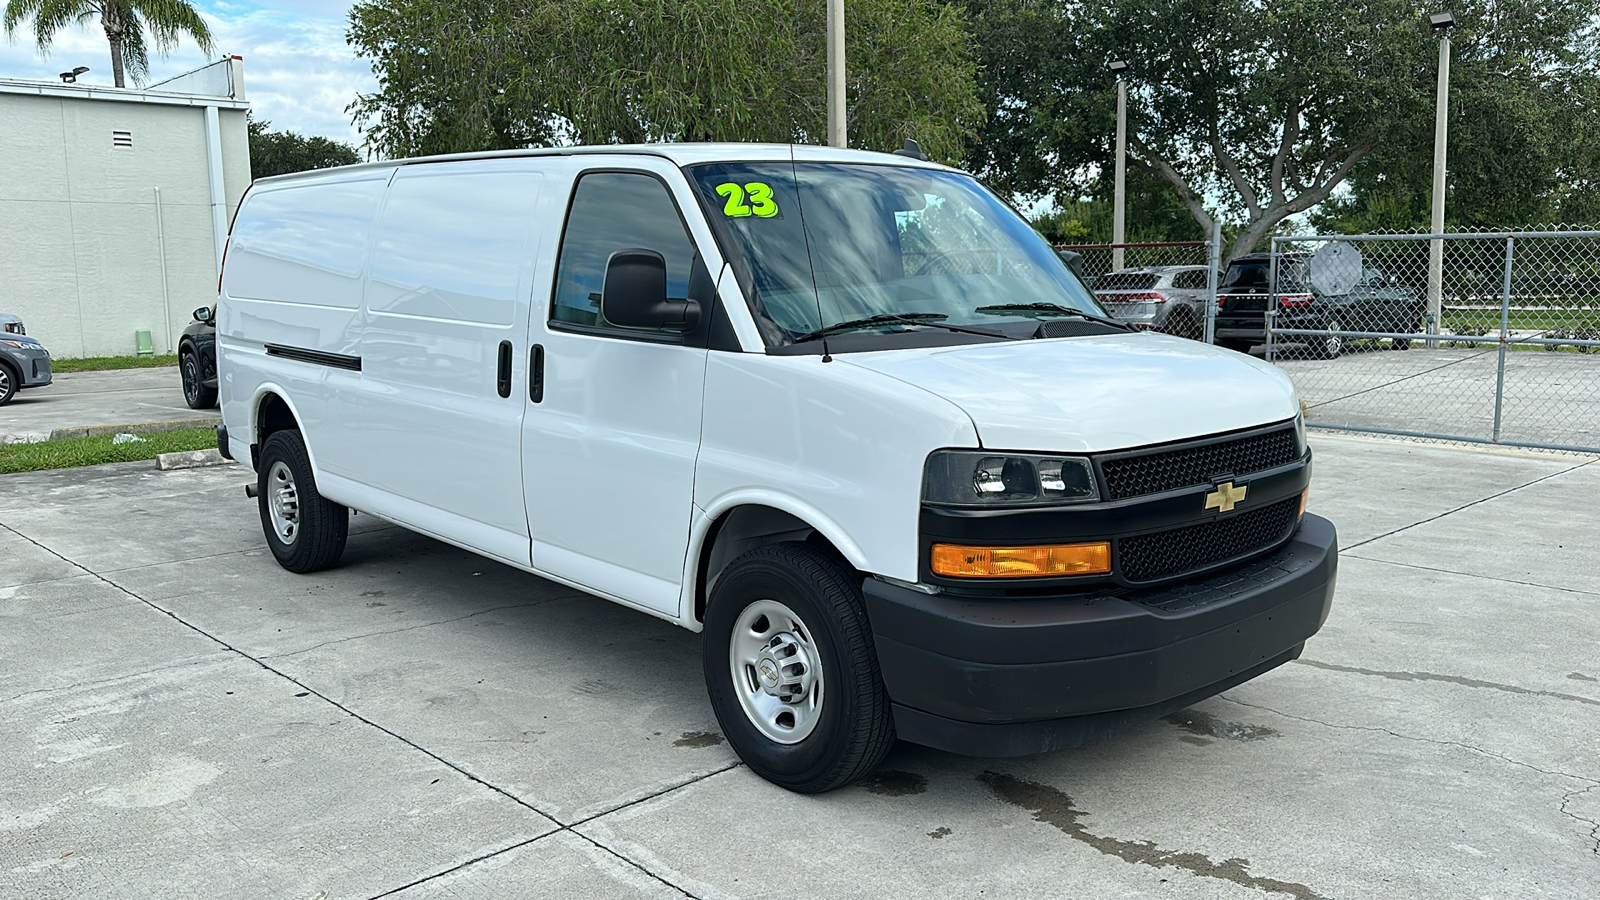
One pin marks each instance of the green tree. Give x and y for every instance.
(1524, 147)
(125, 23)
(1257, 110)
(494, 74)
(281, 152)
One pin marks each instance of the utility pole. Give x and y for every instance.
(836, 107)
(1442, 23)
(1120, 202)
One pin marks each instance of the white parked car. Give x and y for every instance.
(845, 412)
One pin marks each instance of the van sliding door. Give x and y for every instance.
(447, 314)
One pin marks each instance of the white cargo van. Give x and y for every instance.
(843, 411)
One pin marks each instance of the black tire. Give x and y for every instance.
(9, 382)
(320, 526)
(853, 727)
(195, 392)
(1235, 344)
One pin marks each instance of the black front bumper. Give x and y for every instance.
(1013, 676)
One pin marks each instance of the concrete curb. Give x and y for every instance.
(135, 428)
(192, 459)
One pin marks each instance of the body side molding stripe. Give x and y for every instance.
(336, 360)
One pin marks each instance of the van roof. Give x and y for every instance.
(681, 154)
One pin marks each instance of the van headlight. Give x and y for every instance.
(979, 478)
(1300, 429)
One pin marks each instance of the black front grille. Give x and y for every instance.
(1165, 470)
(1165, 554)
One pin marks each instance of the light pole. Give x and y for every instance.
(1119, 201)
(1440, 22)
(836, 129)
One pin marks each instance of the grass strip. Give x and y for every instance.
(103, 363)
(92, 451)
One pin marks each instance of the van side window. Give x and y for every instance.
(614, 211)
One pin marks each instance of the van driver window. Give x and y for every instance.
(614, 211)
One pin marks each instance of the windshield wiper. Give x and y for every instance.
(1055, 309)
(932, 320)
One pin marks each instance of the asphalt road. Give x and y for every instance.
(184, 719)
(79, 399)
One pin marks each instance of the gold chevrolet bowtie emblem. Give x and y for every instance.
(1225, 496)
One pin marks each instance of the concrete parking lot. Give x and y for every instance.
(184, 719)
(90, 399)
(1550, 398)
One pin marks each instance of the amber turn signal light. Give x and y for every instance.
(1304, 496)
(953, 561)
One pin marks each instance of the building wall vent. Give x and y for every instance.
(122, 139)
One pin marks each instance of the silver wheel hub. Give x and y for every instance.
(283, 502)
(776, 671)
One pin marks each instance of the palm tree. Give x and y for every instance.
(125, 22)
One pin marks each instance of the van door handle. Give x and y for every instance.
(503, 377)
(536, 373)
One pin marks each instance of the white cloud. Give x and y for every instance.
(298, 72)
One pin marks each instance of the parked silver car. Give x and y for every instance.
(1169, 299)
(24, 363)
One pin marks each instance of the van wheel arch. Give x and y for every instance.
(741, 529)
(272, 415)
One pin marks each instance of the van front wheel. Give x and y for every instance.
(305, 532)
(791, 670)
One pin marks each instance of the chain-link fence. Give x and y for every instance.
(1167, 286)
(1102, 259)
(1502, 332)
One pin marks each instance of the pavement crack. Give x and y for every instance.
(1410, 737)
(459, 866)
(1534, 584)
(571, 828)
(358, 637)
(675, 786)
(1055, 808)
(636, 865)
(110, 680)
(1464, 506)
(1594, 831)
(1449, 679)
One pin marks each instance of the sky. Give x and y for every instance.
(299, 73)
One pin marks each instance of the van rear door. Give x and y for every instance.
(611, 435)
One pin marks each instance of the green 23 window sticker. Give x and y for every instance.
(759, 195)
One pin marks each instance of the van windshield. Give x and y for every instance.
(818, 244)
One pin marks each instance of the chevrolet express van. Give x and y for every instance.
(844, 412)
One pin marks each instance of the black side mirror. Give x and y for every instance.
(634, 293)
(203, 314)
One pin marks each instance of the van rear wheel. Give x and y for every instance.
(791, 670)
(305, 531)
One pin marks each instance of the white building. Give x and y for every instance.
(115, 204)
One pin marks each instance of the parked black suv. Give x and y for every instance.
(197, 359)
(1375, 304)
